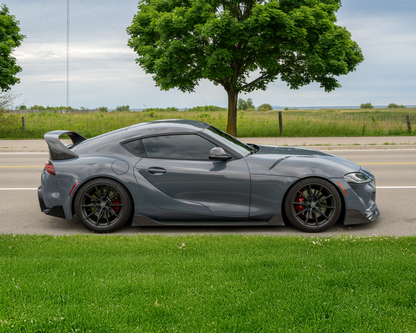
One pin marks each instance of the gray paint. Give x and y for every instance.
(245, 189)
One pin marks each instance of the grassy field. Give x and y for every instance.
(207, 284)
(305, 123)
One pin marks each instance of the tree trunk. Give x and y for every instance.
(232, 112)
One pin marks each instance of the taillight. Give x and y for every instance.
(49, 168)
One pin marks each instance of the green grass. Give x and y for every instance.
(306, 123)
(207, 284)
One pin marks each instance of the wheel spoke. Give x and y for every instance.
(316, 217)
(115, 205)
(323, 199)
(92, 198)
(300, 203)
(111, 210)
(320, 210)
(302, 195)
(106, 192)
(302, 211)
(323, 206)
(106, 217)
(93, 204)
(307, 215)
(310, 194)
(319, 193)
(99, 216)
(92, 213)
(113, 196)
(98, 191)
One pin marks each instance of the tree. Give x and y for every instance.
(242, 45)
(366, 106)
(241, 104)
(245, 105)
(395, 106)
(123, 108)
(265, 107)
(9, 40)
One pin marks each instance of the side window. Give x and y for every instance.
(186, 147)
(135, 147)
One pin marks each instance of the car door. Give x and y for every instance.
(179, 167)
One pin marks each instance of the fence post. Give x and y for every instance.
(409, 128)
(280, 123)
(23, 125)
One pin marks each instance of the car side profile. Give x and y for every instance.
(184, 172)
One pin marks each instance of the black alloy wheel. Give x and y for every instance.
(313, 205)
(103, 205)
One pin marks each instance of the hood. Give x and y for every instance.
(298, 162)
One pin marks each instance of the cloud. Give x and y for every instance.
(102, 69)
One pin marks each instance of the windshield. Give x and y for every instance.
(236, 144)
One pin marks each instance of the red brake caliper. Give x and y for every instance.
(299, 208)
(116, 208)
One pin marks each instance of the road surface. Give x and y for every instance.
(395, 172)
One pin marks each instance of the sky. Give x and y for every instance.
(103, 72)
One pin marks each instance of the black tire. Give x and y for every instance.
(313, 205)
(103, 205)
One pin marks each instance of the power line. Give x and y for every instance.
(67, 54)
(382, 20)
(102, 18)
(367, 13)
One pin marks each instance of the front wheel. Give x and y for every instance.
(103, 205)
(313, 205)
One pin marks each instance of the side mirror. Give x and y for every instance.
(217, 153)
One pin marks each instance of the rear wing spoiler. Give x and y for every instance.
(57, 149)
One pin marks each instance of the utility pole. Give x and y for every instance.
(67, 54)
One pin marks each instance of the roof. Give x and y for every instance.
(166, 126)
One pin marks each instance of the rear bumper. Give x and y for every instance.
(56, 211)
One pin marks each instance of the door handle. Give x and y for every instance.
(156, 170)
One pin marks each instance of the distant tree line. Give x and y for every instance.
(390, 106)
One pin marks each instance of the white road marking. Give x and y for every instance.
(395, 187)
(18, 189)
(359, 150)
(24, 153)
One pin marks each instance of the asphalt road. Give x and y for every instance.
(395, 172)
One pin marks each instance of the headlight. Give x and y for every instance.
(357, 177)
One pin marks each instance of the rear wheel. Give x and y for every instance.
(103, 205)
(313, 205)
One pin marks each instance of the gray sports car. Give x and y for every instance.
(183, 172)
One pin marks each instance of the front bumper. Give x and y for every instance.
(354, 216)
(56, 211)
(361, 204)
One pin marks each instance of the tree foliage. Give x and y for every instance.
(245, 105)
(265, 107)
(123, 108)
(10, 38)
(395, 106)
(206, 108)
(366, 106)
(242, 45)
